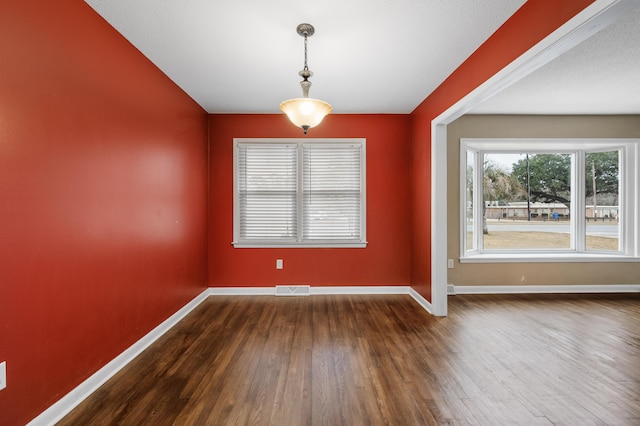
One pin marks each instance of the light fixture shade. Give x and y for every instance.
(305, 112)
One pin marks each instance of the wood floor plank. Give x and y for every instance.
(382, 360)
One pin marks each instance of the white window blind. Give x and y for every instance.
(299, 193)
(331, 192)
(267, 186)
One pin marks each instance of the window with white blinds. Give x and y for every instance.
(299, 193)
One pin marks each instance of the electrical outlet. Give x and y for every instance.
(279, 264)
(3, 375)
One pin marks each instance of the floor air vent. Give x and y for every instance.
(293, 290)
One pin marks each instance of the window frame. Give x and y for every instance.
(629, 207)
(300, 242)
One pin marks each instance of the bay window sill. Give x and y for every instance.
(547, 258)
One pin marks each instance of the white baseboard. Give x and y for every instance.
(399, 289)
(525, 289)
(270, 291)
(421, 300)
(242, 291)
(67, 403)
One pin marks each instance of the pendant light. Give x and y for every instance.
(305, 112)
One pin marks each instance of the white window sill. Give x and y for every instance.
(547, 258)
(299, 245)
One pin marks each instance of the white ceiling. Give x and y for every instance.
(368, 56)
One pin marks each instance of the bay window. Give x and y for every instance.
(549, 199)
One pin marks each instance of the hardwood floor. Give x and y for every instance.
(375, 360)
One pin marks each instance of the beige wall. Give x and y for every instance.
(518, 126)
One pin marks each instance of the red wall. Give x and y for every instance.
(386, 259)
(103, 182)
(535, 20)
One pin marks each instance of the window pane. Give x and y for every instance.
(469, 216)
(602, 191)
(331, 192)
(267, 187)
(527, 199)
